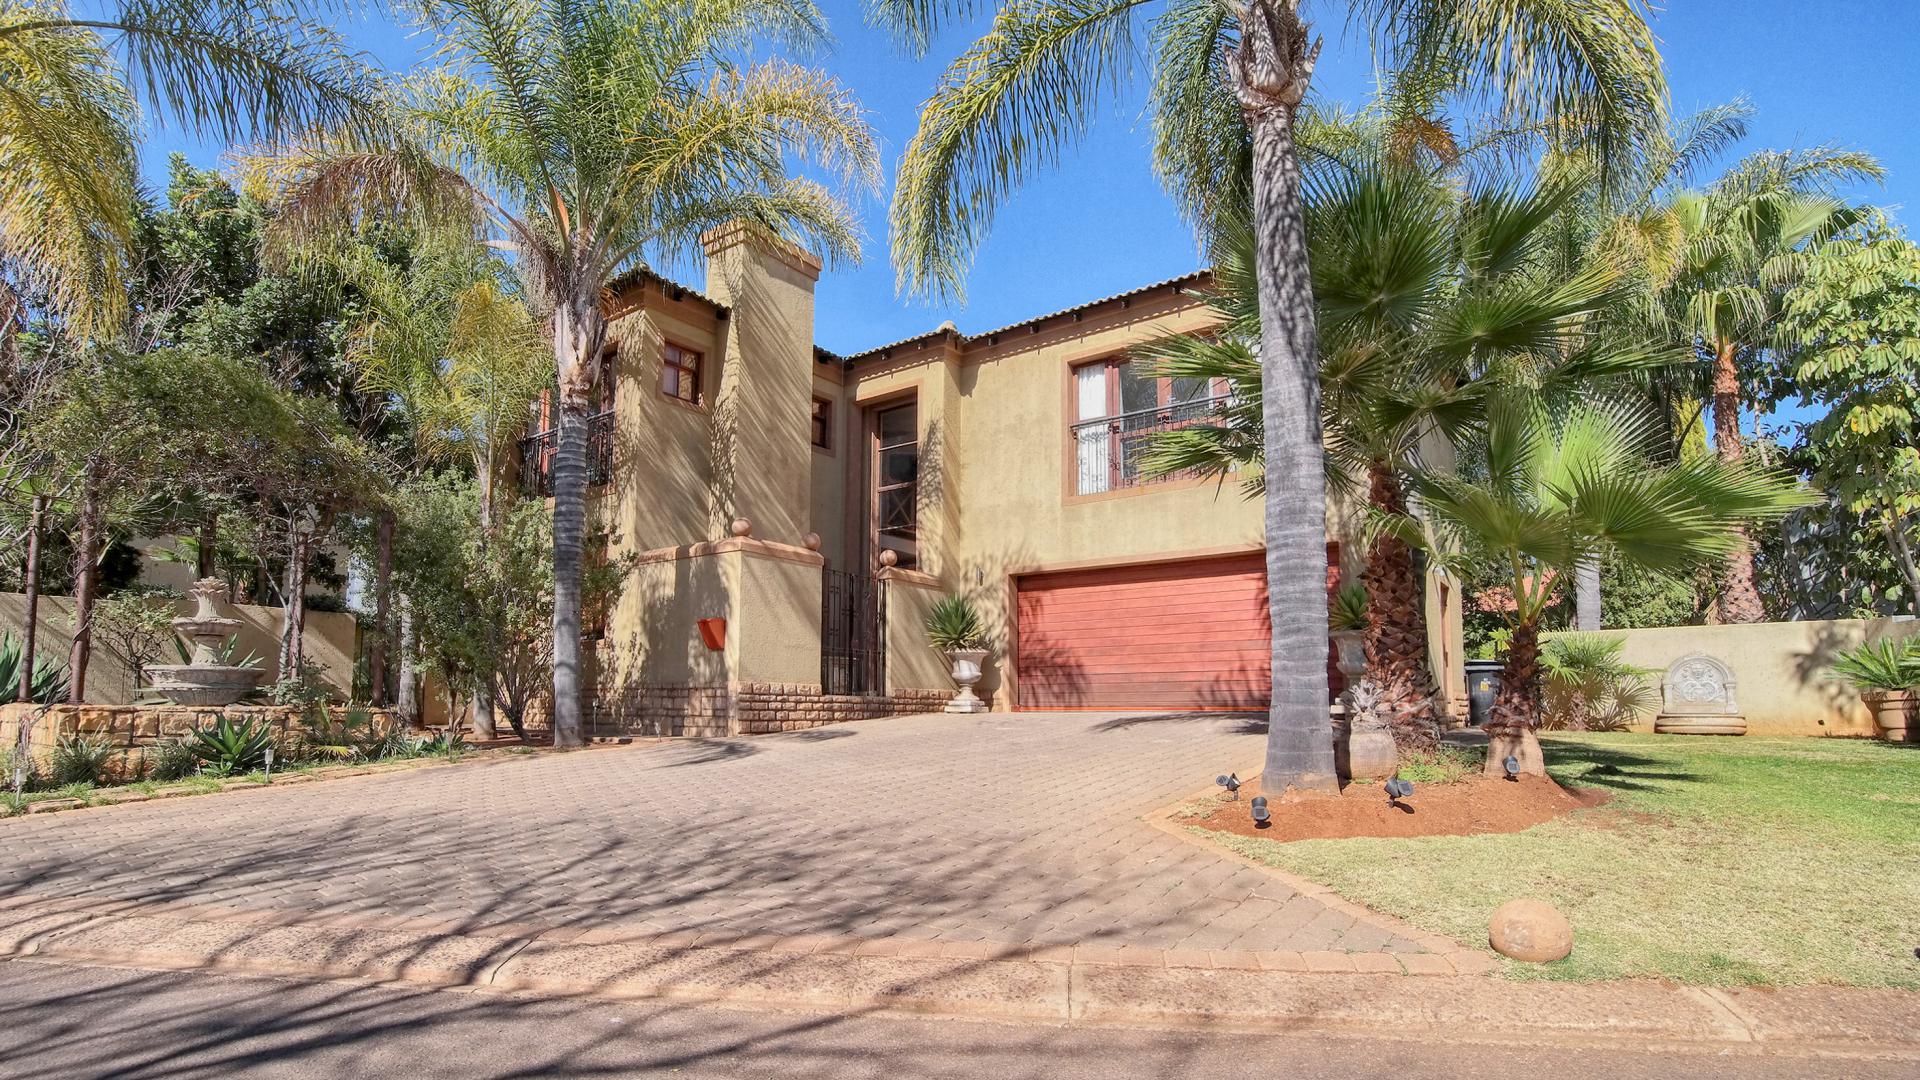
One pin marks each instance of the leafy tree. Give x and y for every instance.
(1543, 492)
(589, 138)
(1229, 81)
(1855, 319)
(73, 87)
(1429, 301)
(1740, 245)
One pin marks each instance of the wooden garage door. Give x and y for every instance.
(1189, 635)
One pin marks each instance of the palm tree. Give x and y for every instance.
(587, 138)
(1545, 491)
(1229, 81)
(1738, 248)
(1429, 302)
(69, 114)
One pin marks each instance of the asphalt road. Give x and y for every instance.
(68, 1022)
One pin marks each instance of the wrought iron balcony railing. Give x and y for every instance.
(536, 456)
(1108, 452)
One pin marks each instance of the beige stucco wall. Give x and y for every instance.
(911, 662)
(330, 640)
(776, 634)
(828, 508)
(995, 500)
(663, 450)
(1780, 668)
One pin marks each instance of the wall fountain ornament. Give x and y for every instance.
(205, 680)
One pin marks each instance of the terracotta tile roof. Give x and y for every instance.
(640, 276)
(1183, 281)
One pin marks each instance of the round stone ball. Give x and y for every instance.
(889, 558)
(1530, 930)
(741, 526)
(812, 541)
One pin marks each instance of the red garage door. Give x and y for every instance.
(1186, 635)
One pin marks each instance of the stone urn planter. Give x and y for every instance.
(1892, 712)
(967, 664)
(1350, 653)
(1362, 746)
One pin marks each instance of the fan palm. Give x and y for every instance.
(1738, 248)
(1229, 80)
(69, 113)
(1428, 301)
(586, 139)
(1545, 491)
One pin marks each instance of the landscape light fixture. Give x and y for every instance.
(1261, 817)
(1398, 789)
(1512, 765)
(269, 773)
(1230, 781)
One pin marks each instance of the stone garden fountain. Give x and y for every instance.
(205, 680)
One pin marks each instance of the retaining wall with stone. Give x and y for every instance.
(752, 708)
(135, 728)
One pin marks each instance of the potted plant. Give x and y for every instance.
(1347, 617)
(1885, 673)
(954, 628)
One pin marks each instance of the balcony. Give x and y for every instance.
(536, 456)
(1108, 451)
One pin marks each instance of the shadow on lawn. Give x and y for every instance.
(1615, 768)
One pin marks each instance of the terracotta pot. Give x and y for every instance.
(1892, 712)
(966, 671)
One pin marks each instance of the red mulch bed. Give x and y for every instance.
(1477, 804)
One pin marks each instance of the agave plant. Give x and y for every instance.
(1349, 608)
(226, 747)
(49, 683)
(953, 624)
(1886, 665)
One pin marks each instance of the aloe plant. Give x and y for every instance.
(953, 624)
(227, 747)
(1885, 665)
(49, 674)
(1349, 608)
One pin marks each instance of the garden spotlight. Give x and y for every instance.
(1261, 818)
(1398, 789)
(1230, 781)
(1512, 765)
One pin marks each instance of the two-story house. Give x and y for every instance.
(796, 512)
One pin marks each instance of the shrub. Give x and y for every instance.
(1887, 664)
(954, 624)
(49, 674)
(227, 748)
(350, 736)
(1588, 687)
(173, 759)
(1349, 608)
(77, 759)
(1443, 765)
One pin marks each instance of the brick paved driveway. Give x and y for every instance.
(996, 828)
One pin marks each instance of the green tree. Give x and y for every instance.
(589, 138)
(1429, 302)
(1229, 81)
(1739, 246)
(73, 90)
(1543, 491)
(1854, 318)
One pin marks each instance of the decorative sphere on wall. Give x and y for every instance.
(812, 541)
(889, 558)
(741, 527)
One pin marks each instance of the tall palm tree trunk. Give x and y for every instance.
(406, 695)
(1739, 600)
(1586, 596)
(579, 331)
(1271, 71)
(382, 614)
(1397, 624)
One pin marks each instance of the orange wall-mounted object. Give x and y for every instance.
(713, 633)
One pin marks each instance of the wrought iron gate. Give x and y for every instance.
(853, 633)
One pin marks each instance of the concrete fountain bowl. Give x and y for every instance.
(205, 680)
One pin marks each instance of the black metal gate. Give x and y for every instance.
(853, 634)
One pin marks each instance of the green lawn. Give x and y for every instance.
(1718, 861)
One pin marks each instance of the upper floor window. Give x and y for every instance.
(823, 423)
(896, 476)
(680, 374)
(1118, 408)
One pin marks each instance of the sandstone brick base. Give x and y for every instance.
(744, 709)
(136, 727)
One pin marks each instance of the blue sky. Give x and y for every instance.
(1842, 71)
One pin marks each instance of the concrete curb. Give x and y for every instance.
(511, 959)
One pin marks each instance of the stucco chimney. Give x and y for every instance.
(764, 403)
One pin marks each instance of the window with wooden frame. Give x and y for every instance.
(822, 424)
(604, 386)
(680, 374)
(896, 483)
(1117, 409)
